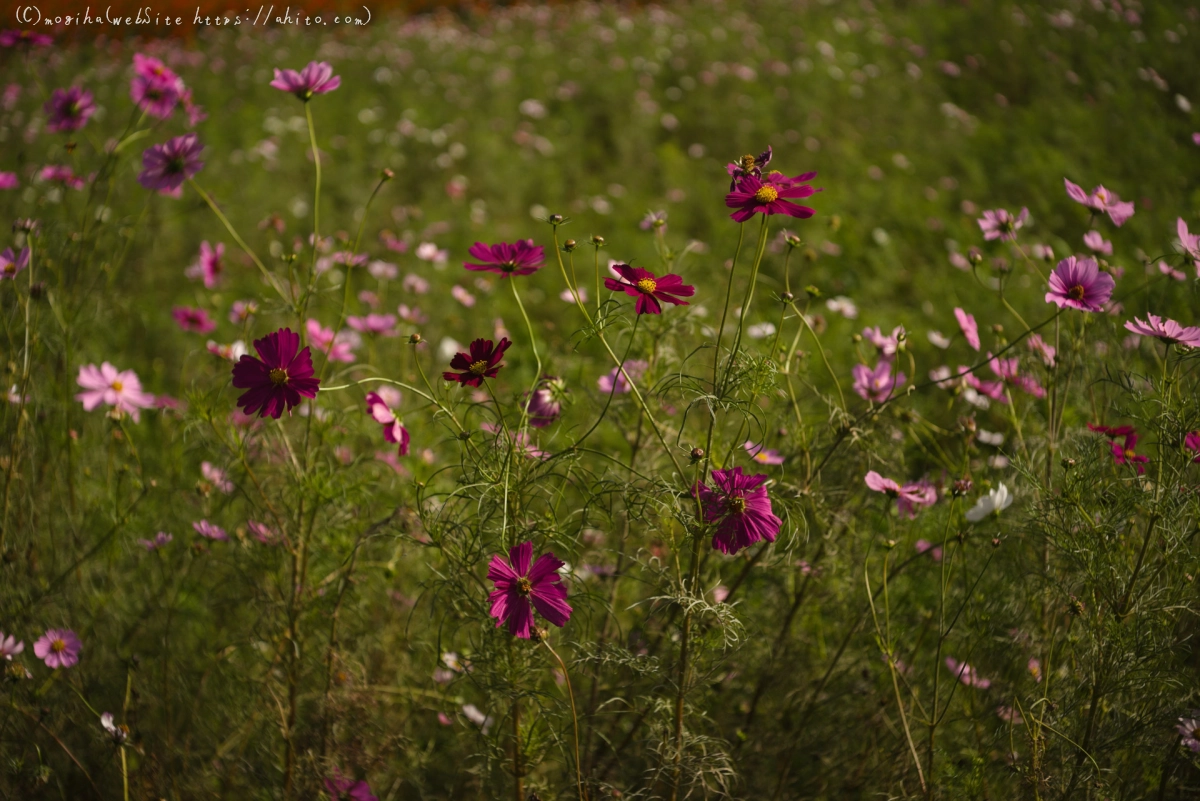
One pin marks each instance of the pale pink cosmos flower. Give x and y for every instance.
(959, 261)
(193, 319)
(415, 284)
(1078, 283)
(966, 674)
(1190, 243)
(1038, 345)
(10, 646)
(233, 352)
(1102, 201)
(914, 496)
(763, 455)
(970, 329)
(216, 476)
(58, 648)
(208, 266)
(886, 344)
(210, 530)
(412, 315)
(876, 384)
(1098, 243)
(926, 547)
(242, 311)
(1171, 272)
(991, 389)
(382, 270)
(315, 79)
(1009, 371)
(1001, 224)
(462, 296)
(615, 381)
(1164, 330)
(842, 305)
(120, 389)
(160, 539)
(61, 174)
(570, 297)
(378, 324)
(1009, 715)
(428, 251)
(1189, 731)
(340, 348)
(263, 533)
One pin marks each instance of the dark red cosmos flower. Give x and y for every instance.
(741, 509)
(648, 288)
(518, 258)
(1111, 431)
(518, 584)
(770, 194)
(278, 378)
(482, 362)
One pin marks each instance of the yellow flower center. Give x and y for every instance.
(647, 285)
(766, 194)
(737, 504)
(747, 161)
(118, 386)
(58, 646)
(1129, 454)
(478, 368)
(524, 586)
(279, 376)
(1076, 292)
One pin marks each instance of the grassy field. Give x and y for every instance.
(342, 632)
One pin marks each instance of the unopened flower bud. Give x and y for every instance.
(1068, 464)
(997, 329)
(569, 245)
(856, 338)
(598, 240)
(697, 454)
(812, 291)
(387, 174)
(793, 241)
(555, 219)
(974, 256)
(787, 297)
(413, 339)
(962, 487)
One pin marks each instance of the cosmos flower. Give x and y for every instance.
(1038, 345)
(216, 476)
(118, 733)
(241, 311)
(12, 263)
(749, 164)
(482, 362)
(1189, 732)
(1102, 201)
(263, 533)
(740, 508)
(381, 405)
(1009, 371)
(927, 547)
(10, 646)
(210, 530)
(876, 384)
(58, 648)
(1164, 330)
(61, 174)
(342, 789)
(155, 88)
(193, 319)
(995, 502)
(518, 258)
(9, 180)
(462, 296)
(160, 539)
(1123, 452)
(1098, 243)
(648, 288)
(315, 79)
(1189, 242)
(278, 378)
(339, 348)
(1078, 283)
(232, 352)
(887, 345)
(763, 455)
(1192, 443)
(914, 496)
(518, 584)
(842, 305)
(773, 195)
(970, 329)
(165, 167)
(208, 266)
(69, 109)
(655, 220)
(966, 674)
(545, 403)
(1001, 224)
(120, 389)
(28, 38)
(380, 324)
(614, 382)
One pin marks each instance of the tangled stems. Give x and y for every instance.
(574, 717)
(537, 374)
(749, 298)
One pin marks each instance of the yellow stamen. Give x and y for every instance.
(58, 646)
(766, 194)
(279, 376)
(478, 368)
(737, 504)
(118, 386)
(647, 285)
(524, 586)
(1076, 292)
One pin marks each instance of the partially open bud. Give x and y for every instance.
(793, 241)
(974, 256)
(962, 487)
(387, 174)
(1068, 464)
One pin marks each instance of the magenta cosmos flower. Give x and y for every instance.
(518, 258)
(339, 347)
(278, 378)
(69, 109)
(208, 266)
(15, 38)
(1001, 224)
(58, 648)
(155, 88)
(648, 288)
(382, 406)
(193, 319)
(165, 167)
(1102, 201)
(1124, 453)
(380, 324)
(876, 384)
(120, 389)
(9, 180)
(518, 585)
(741, 509)
(770, 195)
(315, 79)
(482, 362)
(970, 329)
(1192, 443)
(1165, 330)
(342, 789)
(1078, 283)
(12, 263)
(763, 455)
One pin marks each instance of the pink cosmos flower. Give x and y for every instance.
(382, 270)
(155, 89)
(415, 284)
(242, 311)
(1035, 669)
(763, 455)
(1189, 242)
(1078, 283)
(61, 174)
(120, 389)
(69, 109)
(770, 195)
(648, 288)
(165, 167)
(217, 477)
(315, 79)
(1123, 453)
(887, 345)
(160, 539)
(992, 389)
(1001, 224)
(523, 443)
(411, 315)
(210, 530)
(13, 263)
(969, 328)
(462, 296)
(381, 405)
(1164, 330)
(1192, 443)
(915, 495)
(876, 384)
(10, 646)
(342, 789)
(193, 319)
(338, 348)
(208, 266)
(519, 258)
(1102, 201)
(927, 547)
(1189, 731)
(380, 324)
(263, 533)
(58, 648)
(518, 585)
(9, 180)
(29, 38)
(1170, 271)
(1098, 243)
(615, 381)
(546, 402)
(1009, 371)
(966, 674)
(740, 508)
(1036, 344)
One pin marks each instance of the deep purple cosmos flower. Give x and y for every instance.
(749, 164)
(1164, 330)
(482, 362)
(58, 648)
(120, 389)
(315, 79)
(1192, 443)
(12, 263)
(1001, 224)
(381, 406)
(1078, 283)
(208, 266)
(155, 88)
(771, 194)
(741, 509)
(518, 258)
(518, 585)
(278, 378)
(648, 288)
(1102, 201)
(970, 329)
(876, 384)
(15, 38)
(165, 167)
(69, 109)
(546, 402)
(193, 319)
(342, 789)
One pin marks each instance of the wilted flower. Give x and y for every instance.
(740, 508)
(995, 502)
(69, 109)
(120, 389)
(518, 258)
(518, 584)
(482, 362)
(165, 167)
(278, 378)
(1079, 284)
(648, 288)
(315, 79)
(1001, 224)
(58, 648)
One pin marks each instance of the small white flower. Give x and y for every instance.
(761, 330)
(115, 732)
(484, 722)
(991, 437)
(939, 339)
(995, 502)
(842, 305)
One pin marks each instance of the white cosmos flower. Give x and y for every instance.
(995, 502)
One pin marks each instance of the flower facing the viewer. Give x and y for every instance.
(648, 288)
(1001, 224)
(518, 258)
(315, 79)
(1124, 451)
(165, 167)
(482, 362)
(740, 508)
(58, 648)
(278, 378)
(1078, 283)
(12, 263)
(69, 109)
(876, 384)
(120, 389)
(518, 584)
(995, 502)
(770, 194)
